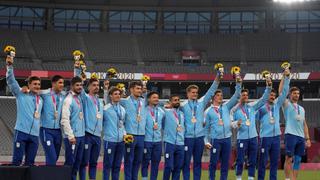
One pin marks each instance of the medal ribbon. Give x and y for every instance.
(55, 105)
(270, 111)
(218, 112)
(296, 108)
(244, 112)
(154, 114)
(139, 105)
(95, 103)
(118, 112)
(193, 107)
(78, 102)
(177, 117)
(37, 103)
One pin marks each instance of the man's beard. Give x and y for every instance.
(176, 105)
(77, 92)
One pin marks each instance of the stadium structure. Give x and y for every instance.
(175, 42)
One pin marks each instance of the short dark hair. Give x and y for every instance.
(152, 93)
(217, 91)
(75, 80)
(33, 78)
(294, 88)
(273, 91)
(245, 90)
(91, 80)
(56, 78)
(192, 86)
(114, 89)
(173, 95)
(133, 84)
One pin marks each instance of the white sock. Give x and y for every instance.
(287, 178)
(250, 178)
(239, 178)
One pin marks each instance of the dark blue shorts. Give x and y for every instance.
(295, 145)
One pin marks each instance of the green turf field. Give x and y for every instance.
(303, 175)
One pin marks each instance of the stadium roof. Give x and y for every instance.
(183, 5)
(153, 3)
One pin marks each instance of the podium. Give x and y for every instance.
(13, 172)
(35, 172)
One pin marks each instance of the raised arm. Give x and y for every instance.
(234, 99)
(144, 89)
(260, 102)
(106, 97)
(283, 92)
(281, 84)
(211, 90)
(285, 74)
(12, 82)
(77, 72)
(144, 96)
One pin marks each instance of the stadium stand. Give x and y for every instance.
(160, 48)
(54, 45)
(268, 46)
(110, 47)
(17, 39)
(154, 53)
(218, 47)
(309, 41)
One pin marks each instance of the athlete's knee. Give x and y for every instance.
(296, 163)
(289, 159)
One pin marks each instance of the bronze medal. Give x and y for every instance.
(36, 115)
(193, 120)
(298, 117)
(248, 122)
(120, 124)
(81, 115)
(138, 118)
(272, 120)
(179, 128)
(155, 126)
(99, 116)
(56, 114)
